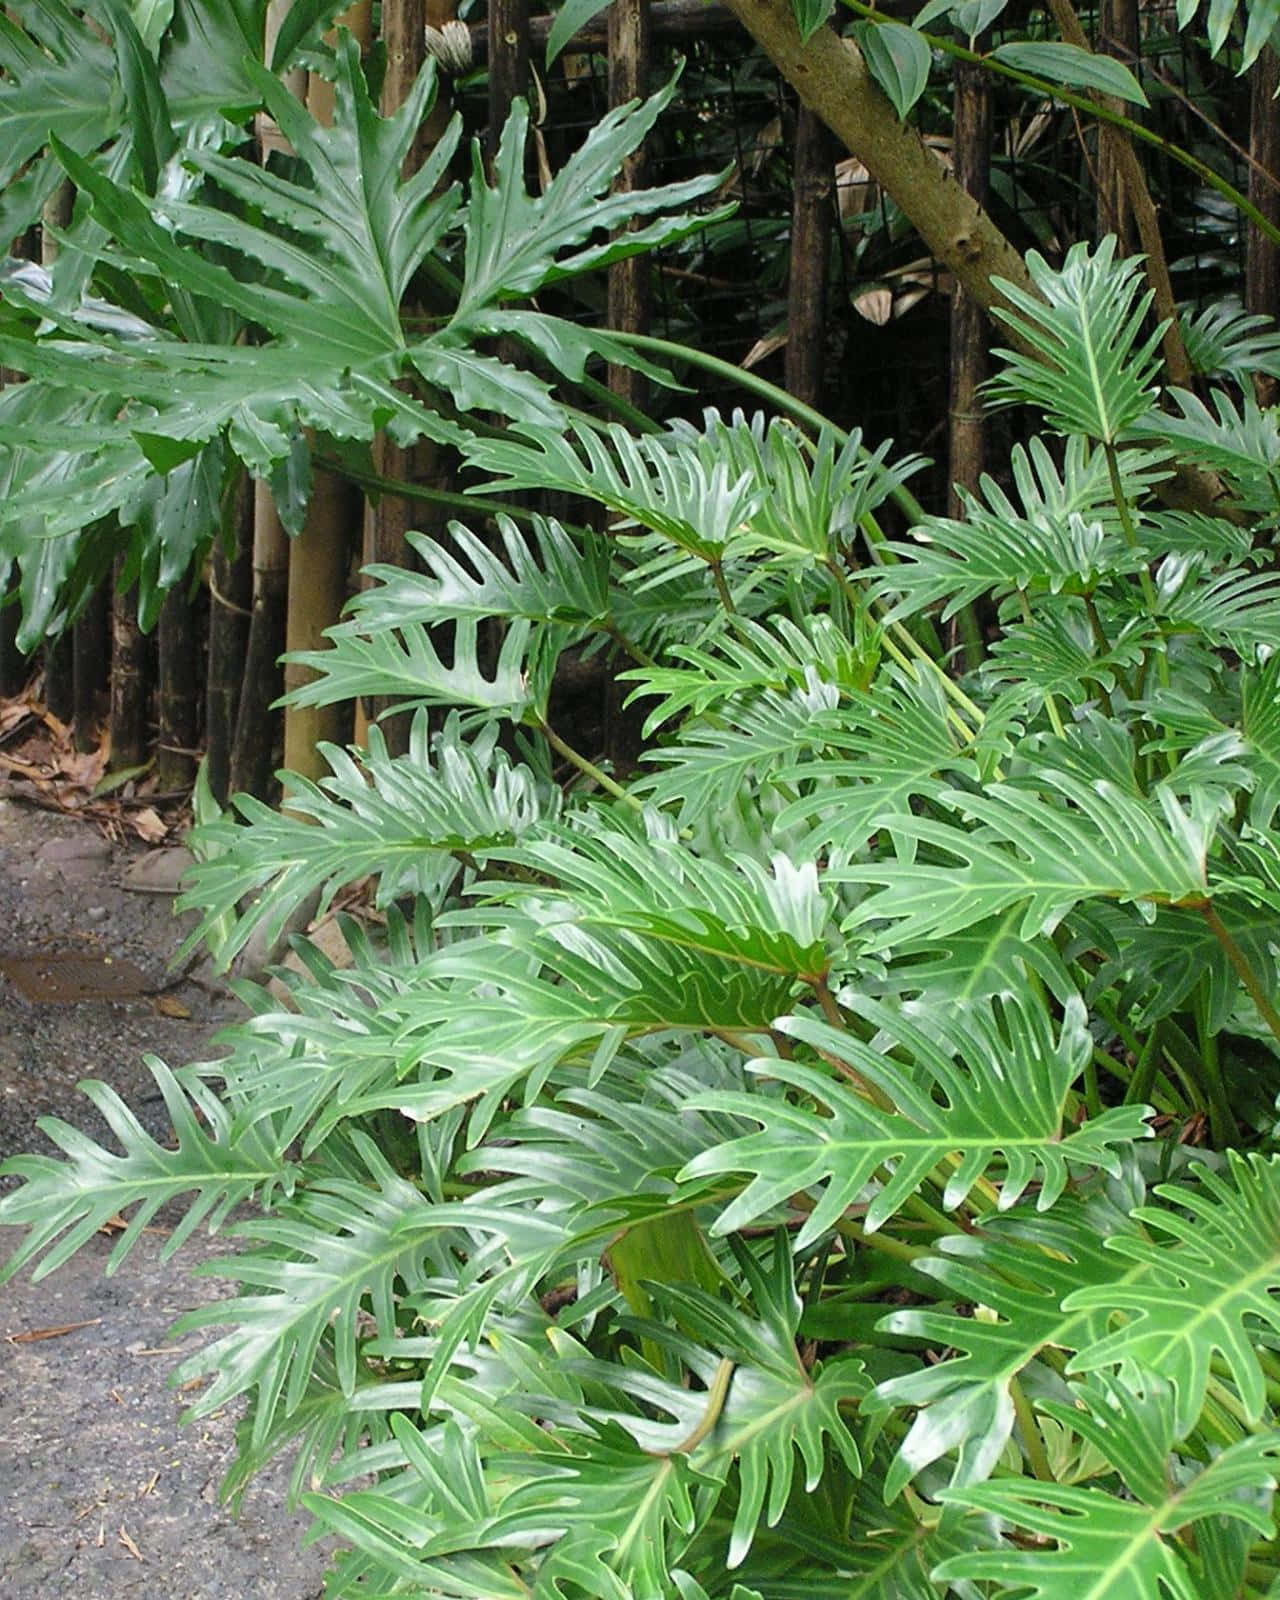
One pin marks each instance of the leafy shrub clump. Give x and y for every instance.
(836, 1159)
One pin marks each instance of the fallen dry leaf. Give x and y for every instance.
(169, 1006)
(148, 824)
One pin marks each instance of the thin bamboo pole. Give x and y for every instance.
(813, 185)
(59, 663)
(1262, 255)
(254, 743)
(230, 602)
(508, 62)
(629, 279)
(388, 518)
(971, 158)
(177, 691)
(253, 749)
(319, 556)
(130, 677)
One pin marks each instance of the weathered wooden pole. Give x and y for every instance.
(130, 677)
(230, 602)
(253, 744)
(1262, 255)
(319, 556)
(629, 279)
(813, 186)
(508, 62)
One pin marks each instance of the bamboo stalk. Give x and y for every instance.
(628, 42)
(177, 692)
(969, 364)
(59, 663)
(130, 677)
(813, 171)
(508, 63)
(90, 669)
(253, 755)
(1138, 204)
(671, 22)
(319, 554)
(319, 562)
(1262, 254)
(388, 518)
(230, 602)
(253, 749)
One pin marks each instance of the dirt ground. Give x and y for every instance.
(103, 1494)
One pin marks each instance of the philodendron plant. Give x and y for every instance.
(836, 1160)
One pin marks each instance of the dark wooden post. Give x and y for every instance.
(629, 280)
(90, 669)
(130, 676)
(1262, 255)
(971, 157)
(230, 599)
(508, 62)
(388, 519)
(812, 193)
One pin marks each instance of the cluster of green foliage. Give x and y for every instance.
(836, 1160)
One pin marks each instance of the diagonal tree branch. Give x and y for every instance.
(831, 78)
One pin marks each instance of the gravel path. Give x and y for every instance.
(103, 1494)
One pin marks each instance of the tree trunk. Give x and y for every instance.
(812, 194)
(91, 669)
(1262, 255)
(629, 279)
(253, 751)
(177, 691)
(230, 602)
(130, 678)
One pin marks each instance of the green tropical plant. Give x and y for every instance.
(209, 315)
(838, 1159)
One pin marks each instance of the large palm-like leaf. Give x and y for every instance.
(1212, 1274)
(1020, 848)
(64, 1203)
(549, 575)
(404, 819)
(1105, 1547)
(990, 1083)
(1018, 1269)
(340, 1242)
(1095, 362)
